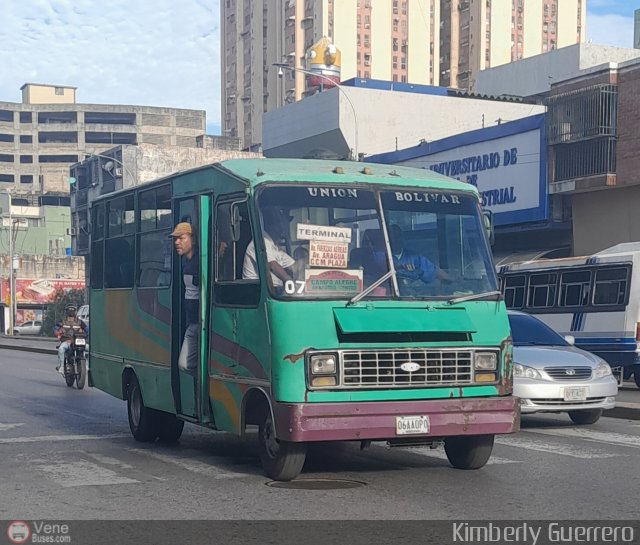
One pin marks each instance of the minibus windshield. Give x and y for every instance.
(335, 241)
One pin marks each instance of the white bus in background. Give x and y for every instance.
(596, 299)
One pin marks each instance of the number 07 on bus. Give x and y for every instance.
(336, 301)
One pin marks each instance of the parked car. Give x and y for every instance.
(28, 328)
(551, 375)
(83, 313)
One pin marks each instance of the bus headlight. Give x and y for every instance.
(323, 370)
(323, 364)
(486, 361)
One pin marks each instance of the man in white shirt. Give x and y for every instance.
(278, 260)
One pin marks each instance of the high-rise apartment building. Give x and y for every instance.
(480, 34)
(433, 42)
(392, 40)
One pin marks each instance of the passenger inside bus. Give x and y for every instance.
(371, 256)
(410, 265)
(279, 261)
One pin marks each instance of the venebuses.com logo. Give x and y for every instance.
(18, 531)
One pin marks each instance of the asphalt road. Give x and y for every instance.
(68, 454)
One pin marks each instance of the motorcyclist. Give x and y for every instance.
(65, 332)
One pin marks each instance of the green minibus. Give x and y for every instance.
(336, 301)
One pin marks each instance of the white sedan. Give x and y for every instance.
(552, 375)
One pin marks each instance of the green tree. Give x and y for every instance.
(55, 310)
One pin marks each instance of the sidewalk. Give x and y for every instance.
(28, 343)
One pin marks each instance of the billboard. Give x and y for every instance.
(507, 163)
(38, 291)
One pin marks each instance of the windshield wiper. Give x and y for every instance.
(475, 296)
(372, 287)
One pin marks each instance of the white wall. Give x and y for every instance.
(387, 120)
(535, 74)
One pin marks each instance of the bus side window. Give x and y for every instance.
(231, 243)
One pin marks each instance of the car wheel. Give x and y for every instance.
(588, 416)
(636, 378)
(468, 451)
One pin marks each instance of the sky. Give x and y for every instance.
(159, 52)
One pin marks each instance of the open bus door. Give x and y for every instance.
(190, 387)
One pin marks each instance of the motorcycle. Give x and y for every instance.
(75, 361)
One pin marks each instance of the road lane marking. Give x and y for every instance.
(51, 438)
(108, 460)
(562, 450)
(5, 427)
(82, 473)
(622, 439)
(195, 466)
(440, 454)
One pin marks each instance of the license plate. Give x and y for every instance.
(81, 342)
(409, 425)
(575, 394)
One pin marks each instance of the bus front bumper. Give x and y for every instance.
(299, 422)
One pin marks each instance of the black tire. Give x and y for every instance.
(281, 460)
(142, 420)
(468, 451)
(636, 378)
(16, 333)
(169, 427)
(81, 378)
(69, 376)
(587, 416)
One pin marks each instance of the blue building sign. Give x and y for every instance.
(507, 163)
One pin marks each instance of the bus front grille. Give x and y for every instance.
(402, 368)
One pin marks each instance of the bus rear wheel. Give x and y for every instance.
(169, 427)
(281, 460)
(142, 420)
(468, 451)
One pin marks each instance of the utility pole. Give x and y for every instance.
(12, 280)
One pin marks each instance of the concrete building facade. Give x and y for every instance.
(49, 131)
(430, 42)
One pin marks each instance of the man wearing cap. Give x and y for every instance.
(185, 247)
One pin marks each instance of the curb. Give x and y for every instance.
(37, 350)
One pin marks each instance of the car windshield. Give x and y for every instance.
(527, 330)
(333, 244)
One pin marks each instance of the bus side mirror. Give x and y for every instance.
(487, 222)
(235, 222)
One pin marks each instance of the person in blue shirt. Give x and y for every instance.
(410, 265)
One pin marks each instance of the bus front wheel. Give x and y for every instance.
(282, 460)
(142, 419)
(468, 451)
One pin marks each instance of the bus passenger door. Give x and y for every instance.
(189, 341)
(238, 337)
